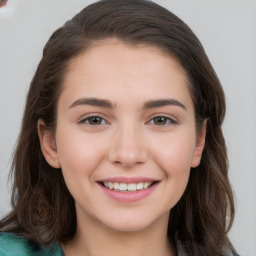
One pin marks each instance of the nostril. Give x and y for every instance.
(126, 163)
(126, 154)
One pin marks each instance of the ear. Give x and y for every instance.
(48, 144)
(200, 142)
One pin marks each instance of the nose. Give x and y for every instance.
(128, 147)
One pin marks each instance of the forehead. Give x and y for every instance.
(100, 49)
(114, 65)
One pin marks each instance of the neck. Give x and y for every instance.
(92, 239)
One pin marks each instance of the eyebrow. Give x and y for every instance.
(93, 102)
(107, 104)
(162, 103)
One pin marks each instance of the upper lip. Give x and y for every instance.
(123, 179)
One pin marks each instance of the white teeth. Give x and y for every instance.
(110, 185)
(132, 187)
(139, 186)
(145, 185)
(116, 186)
(123, 187)
(127, 187)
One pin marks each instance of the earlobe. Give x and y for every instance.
(200, 143)
(48, 145)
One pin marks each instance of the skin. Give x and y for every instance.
(128, 140)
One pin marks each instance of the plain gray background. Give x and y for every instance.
(226, 28)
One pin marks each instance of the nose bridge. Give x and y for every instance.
(128, 147)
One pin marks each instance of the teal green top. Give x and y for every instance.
(12, 245)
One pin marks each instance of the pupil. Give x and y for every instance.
(95, 120)
(160, 120)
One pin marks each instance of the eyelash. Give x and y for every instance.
(167, 120)
(90, 118)
(152, 121)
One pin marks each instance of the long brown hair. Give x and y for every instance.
(43, 209)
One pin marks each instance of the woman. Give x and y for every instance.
(121, 150)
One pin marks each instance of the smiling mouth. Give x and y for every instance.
(128, 187)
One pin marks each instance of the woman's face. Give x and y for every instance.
(125, 137)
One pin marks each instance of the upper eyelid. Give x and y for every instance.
(171, 117)
(104, 117)
(85, 117)
(172, 121)
(93, 114)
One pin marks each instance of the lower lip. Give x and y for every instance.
(128, 197)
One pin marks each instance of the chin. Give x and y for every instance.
(124, 227)
(134, 223)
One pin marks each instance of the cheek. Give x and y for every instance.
(79, 154)
(174, 156)
(174, 153)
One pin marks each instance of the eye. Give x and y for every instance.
(93, 120)
(162, 120)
